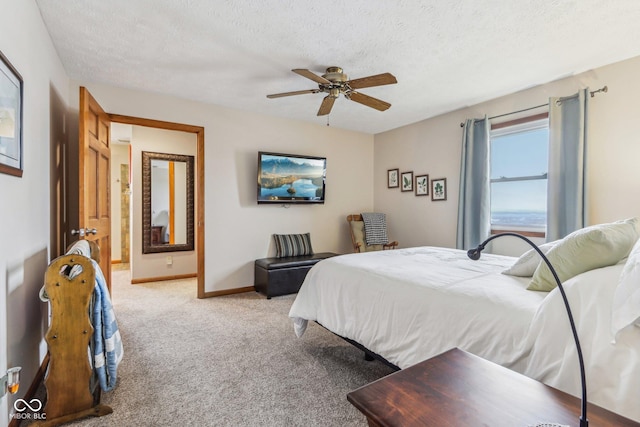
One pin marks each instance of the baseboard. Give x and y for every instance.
(33, 388)
(227, 292)
(163, 278)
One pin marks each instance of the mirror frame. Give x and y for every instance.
(147, 247)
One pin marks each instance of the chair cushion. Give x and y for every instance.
(292, 244)
(357, 227)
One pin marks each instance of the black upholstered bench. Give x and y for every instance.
(281, 276)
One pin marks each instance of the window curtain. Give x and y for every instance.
(566, 176)
(474, 202)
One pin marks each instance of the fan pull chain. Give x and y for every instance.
(327, 119)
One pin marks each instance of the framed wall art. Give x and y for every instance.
(422, 185)
(406, 181)
(439, 189)
(392, 178)
(10, 119)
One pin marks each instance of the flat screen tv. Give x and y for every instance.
(290, 178)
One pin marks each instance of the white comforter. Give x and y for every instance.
(411, 304)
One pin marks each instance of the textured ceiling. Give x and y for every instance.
(446, 54)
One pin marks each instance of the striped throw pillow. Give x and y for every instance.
(293, 244)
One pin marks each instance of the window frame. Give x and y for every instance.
(523, 124)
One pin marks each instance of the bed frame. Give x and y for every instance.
(368, 354)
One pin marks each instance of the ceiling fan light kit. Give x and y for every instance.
(335, 82)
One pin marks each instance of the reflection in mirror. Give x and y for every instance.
(167, 188)
(168, 207)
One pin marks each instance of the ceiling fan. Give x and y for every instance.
(334, 82)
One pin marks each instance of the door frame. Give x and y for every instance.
(199, 184)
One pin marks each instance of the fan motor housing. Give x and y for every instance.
(335, 75)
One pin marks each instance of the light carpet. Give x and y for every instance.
(226, 361)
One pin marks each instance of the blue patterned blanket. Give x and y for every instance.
(107, 343)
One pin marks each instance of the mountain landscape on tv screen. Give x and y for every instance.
(285, 178)
(287, 166)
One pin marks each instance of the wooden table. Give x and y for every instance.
(457, 388)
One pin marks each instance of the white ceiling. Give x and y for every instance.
(446, 54)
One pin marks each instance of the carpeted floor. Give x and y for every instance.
(226, 361)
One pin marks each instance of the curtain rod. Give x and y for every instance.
(604, 89)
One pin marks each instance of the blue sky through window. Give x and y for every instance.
(516, 155)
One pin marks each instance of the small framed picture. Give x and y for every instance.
(11, 160)
(392, 178)
(439, 189)
(407, 181)
(422, 185)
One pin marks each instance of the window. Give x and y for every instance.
(519, 163)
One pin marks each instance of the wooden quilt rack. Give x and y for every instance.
(68, 378)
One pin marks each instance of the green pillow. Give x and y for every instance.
(526, 265)
(586, 249)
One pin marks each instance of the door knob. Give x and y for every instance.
(84, 231)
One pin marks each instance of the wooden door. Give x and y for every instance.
(94, 162)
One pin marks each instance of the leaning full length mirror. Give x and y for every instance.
(167, 202)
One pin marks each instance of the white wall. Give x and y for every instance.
(160, 194)
(25, 213)
(237, 229)
(145, 266)
(434, 147)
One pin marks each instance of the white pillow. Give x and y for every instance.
(526, 265)
(585, 249)
(626, 300)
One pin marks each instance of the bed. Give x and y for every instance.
(408, 305)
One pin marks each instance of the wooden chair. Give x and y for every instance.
(356, 227)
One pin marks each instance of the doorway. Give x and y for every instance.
(67, 190)
(152, 203)
(121, 192)
(130, 242)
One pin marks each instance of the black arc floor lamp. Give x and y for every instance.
(474, 254)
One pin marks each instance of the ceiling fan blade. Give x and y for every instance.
(326, 106)
(298, 92)
(369, 101)
(310, 75)
(377, 80)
